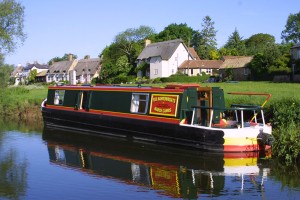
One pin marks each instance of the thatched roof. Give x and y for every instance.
(92, 65)
(61, 66)
(160, 49)
(236, 61)
(201, 64)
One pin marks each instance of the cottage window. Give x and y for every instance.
(59, 97)
(139, 103)
(246, 71)
(155, 71)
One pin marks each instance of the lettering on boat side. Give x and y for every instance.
(164, 104)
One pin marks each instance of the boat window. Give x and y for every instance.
(59, 97)
(139, 103)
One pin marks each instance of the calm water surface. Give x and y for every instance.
(51, 164)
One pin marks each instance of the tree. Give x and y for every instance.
(259, 42)
(5, 71)
(11, 25)
(176, 31)
(118, 59)
(31, 76)
(205, 40)
(263, 61)
(235, 44)
(292, 29)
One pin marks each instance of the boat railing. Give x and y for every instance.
(235, 108)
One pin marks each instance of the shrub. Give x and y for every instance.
(286, 123)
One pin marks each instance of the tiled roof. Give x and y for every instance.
(194, 53)
(201, 64)
(236, 61)
(163, 49)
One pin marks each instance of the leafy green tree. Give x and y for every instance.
(118, 59)
(205, 40)
(259, 42)
(5, 71)
(176, 31)
(11, 25)
(31, 76)
(291, 33)
(235, 44)
(262, 62)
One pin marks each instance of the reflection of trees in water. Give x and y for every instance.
(21, 125)
(289, 176)
(13, 178)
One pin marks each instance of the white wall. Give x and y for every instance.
(166, 68)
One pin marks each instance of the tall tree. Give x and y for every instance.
(205, 40)
(235, 44)
(11, 25)
(259, 42)
(292, 29)
(5, 71)
(118, 59)
(176, 31)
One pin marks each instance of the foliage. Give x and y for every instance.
(264, 60)
(257, 43)
(182, 78)
(176, 31)
(235, 45)
(291, 33)
(11, 25)
(31, 76)
(205, 40)
(5, 71)
(286, 122)
(118, 59)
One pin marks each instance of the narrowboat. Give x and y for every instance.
(183, 115)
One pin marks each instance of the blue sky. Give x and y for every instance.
(86, 27)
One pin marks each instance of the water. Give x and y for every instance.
(51, 164)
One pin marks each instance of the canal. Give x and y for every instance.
(49, 164)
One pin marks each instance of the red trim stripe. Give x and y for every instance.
(241, 148)
(119, 114)
(117, 89)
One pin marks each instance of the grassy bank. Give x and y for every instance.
(283, 109)
(22, 102)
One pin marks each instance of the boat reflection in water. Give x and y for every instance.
(172, 172)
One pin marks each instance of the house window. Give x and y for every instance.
(59, 97)
(298, 55)
(246, 71)
(208, 71)
(172, 71)
(192, 71)
(155, 71)
(139, 103)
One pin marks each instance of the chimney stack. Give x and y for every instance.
(70, 57)
(147, 42)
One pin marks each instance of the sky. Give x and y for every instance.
(86, 27)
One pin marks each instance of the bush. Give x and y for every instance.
(182, 78)
(286, 123)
